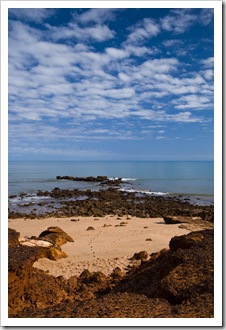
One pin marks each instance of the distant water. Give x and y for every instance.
(188, 178)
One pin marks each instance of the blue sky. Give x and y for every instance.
(111, 84)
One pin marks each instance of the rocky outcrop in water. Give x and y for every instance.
(177, 283)
(112, 201)
(100, 179)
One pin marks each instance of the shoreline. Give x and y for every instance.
(111, 243)
(74, 202)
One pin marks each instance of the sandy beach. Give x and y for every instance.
(111, 243)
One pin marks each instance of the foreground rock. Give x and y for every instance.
(56, 235)
(49, 242)
(173, 283)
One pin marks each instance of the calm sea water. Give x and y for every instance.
(158, 177)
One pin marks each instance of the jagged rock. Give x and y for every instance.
(54, 253)
(174, 283)
(182, 275)
(56, 236)
(53, 238)
(142, 255)
(13, 238)
(117, 273)
(185, 241)
(85, 276)
(20, 262)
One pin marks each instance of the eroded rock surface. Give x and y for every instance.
(177, 282)
(56, 235)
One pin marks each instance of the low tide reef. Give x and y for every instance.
(75, 202)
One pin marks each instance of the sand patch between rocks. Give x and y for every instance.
(109, 245)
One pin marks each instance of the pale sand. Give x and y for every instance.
(104, 248)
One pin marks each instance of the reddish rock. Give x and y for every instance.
(174, 283)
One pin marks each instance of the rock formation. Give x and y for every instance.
(173, 283)
(75, 203)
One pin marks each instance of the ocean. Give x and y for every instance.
(193, 179)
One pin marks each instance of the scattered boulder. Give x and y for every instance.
(171, 220)
(56, 236)
(142, 255)
(90, 228)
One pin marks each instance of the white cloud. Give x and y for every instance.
(140, 51)
(96, 15)
(37, 15)
(72, 31)
(208, 74)
(124, 77)
(172, 42)
(162, 65)
(208, 62)
(178, 21)
(206, 16)
(117, 53)
(51, 81)
(160, 137)
(142, 31)
(195, 102)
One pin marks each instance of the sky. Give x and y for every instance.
(110, 84)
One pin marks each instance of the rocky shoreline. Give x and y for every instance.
(75, 202)
(166, 284)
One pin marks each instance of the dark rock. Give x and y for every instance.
(85, 276)
(56, 235)
(181, 275)
(113, 201)
(171, 220)
(86, 179)
(142, 255)
(90, 228)
(186, 241)
(13, 238)
(117, 273)
(12, 196)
